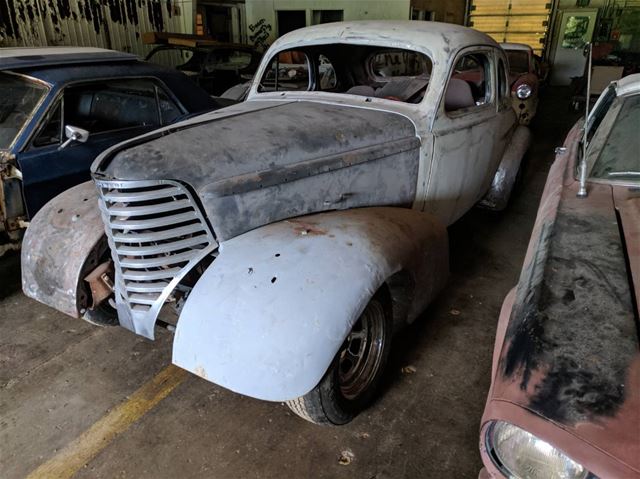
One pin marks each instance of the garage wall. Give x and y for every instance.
(262, 17)
(449, 11)
(115, 24)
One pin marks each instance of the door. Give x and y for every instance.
(464, 134)
(576, 30)
(111, 112)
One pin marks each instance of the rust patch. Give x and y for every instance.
(303, 228)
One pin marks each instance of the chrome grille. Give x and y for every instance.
(157, 235)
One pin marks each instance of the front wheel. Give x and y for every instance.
(354, 376)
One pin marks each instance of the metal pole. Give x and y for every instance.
(582, 190)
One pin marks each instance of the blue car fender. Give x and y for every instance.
(270, 313)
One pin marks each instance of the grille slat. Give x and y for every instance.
(117, 197)
(149, 275)
(157, 234)
(138, 237)
(162, 247)
(128, 224)
(149, 209)
(162, 260)
(146, 287)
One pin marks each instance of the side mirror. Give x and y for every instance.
(73, 133)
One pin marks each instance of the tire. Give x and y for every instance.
(352, 380)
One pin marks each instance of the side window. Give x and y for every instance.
(169, 111)
(51, 131)
(470, 83)
(116, 105)
(232, 60)
(327, 74)
(600, 110)
(503, 82)
(288, 71)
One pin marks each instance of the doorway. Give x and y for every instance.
(576, 30)
(289, 20)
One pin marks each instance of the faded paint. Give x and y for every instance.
(567, 363)
(267, 322)
(112, 24)
(455, 140)
(375, 163)
(71, 223)
(306, 152)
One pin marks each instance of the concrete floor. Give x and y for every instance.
(59, 376)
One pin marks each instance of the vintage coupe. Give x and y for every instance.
(565, 391)
(295, 232)
(525, 72)
(95, 97)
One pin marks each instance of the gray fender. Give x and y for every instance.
(58, 241)
(268, 316)
(498, 195)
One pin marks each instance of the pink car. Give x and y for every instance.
(565, 391)
(524, 78)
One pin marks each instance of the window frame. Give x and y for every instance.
(502, 101)
(59, 97)
(25, 128)
(489, 85)
(310, 71)
(370, 71)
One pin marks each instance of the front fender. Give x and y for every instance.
(268, 316)
(56, 245)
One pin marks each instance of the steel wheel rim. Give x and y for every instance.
(362, 351)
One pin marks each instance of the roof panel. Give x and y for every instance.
(28, 57)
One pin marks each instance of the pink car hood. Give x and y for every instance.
(567, 362)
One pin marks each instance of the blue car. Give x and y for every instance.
(60, 107)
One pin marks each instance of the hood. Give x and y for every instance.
(254, 163)
(570, 353)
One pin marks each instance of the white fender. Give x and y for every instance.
(268, 316)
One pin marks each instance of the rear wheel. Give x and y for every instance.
(355, 373)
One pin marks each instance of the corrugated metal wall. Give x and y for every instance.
(115, 24)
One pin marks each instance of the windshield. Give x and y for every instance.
(518, 61)
(619, 157)
(365, 70)
(18, 101)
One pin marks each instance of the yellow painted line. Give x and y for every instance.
(81, 450)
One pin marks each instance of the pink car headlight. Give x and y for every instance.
(524, 91)
(519, 455)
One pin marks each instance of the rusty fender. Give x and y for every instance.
(498, 195)
(268, 316)
(56, 245)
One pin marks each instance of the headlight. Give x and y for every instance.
(524, 91)
(521, 455)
